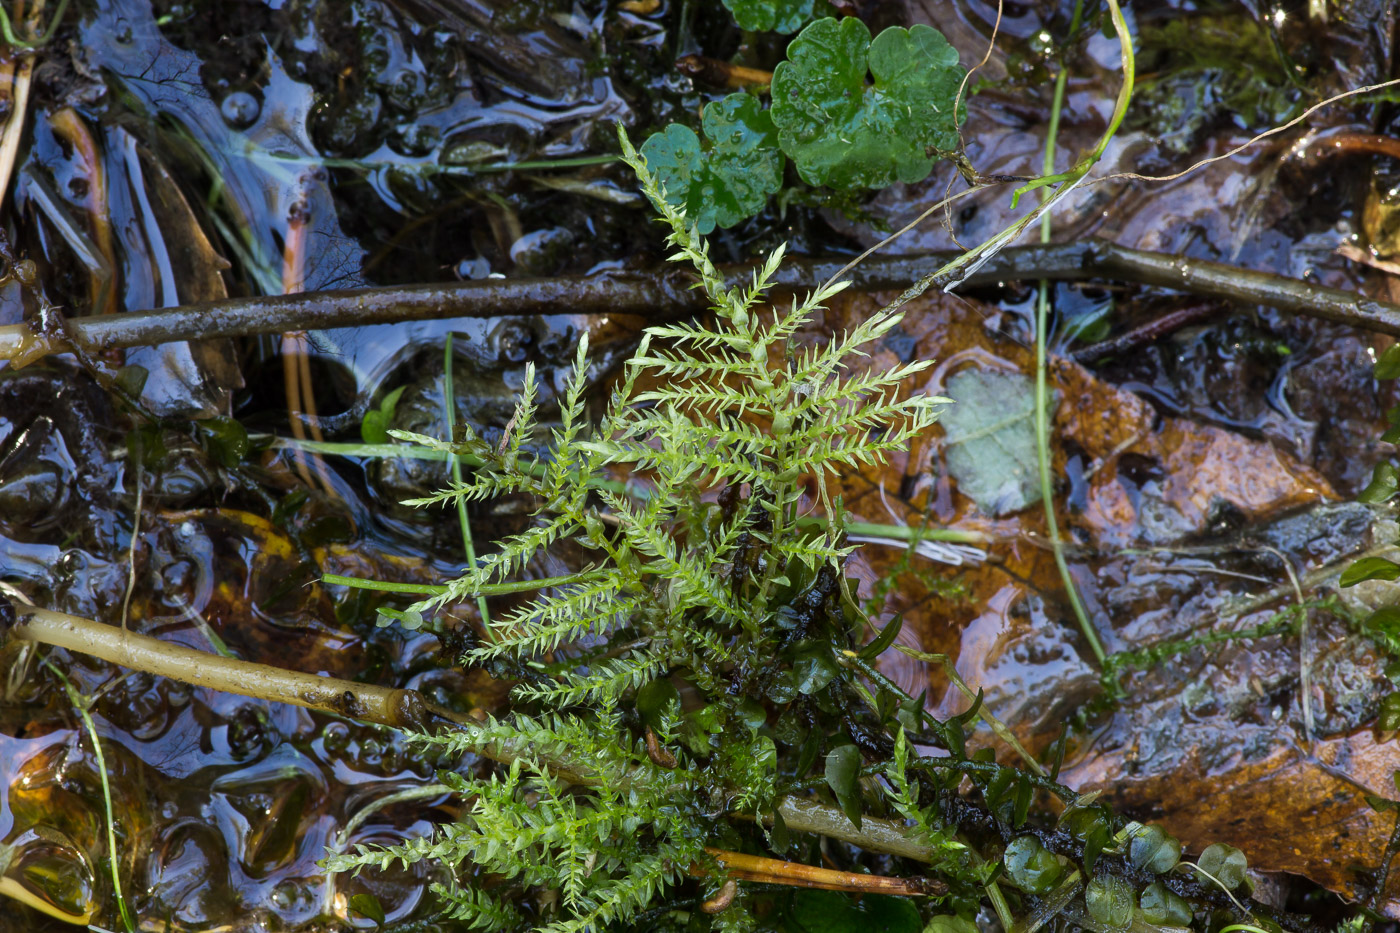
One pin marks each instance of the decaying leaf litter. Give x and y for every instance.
(1194, 467)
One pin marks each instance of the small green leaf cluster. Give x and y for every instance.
(851, 112)
(608, 852)
(784, 16)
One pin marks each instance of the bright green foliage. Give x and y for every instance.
(950, 856)
(1030, 866)
(1388, 719)
(783, 16)
(1385, 480)
(1110, 900)
(685, 587)
(843, 777)
(528, 827)
(374, 429)
(729, 175)
(854, 113)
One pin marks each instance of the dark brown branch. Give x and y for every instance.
(669, 294)
(1150, 332)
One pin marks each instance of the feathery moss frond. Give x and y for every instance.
(727, 430)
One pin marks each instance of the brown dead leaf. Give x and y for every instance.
(1147, 481)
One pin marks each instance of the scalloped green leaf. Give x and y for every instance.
(726, 177)
(782, 16)
(857, 113)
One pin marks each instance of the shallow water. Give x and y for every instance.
(269, 147)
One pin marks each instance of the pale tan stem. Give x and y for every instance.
(389, 707)
(743, 867)
(13, 889)
(13, 133)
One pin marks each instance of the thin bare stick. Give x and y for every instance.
(897, 234)
(1262, 136)
(668, 294)
(986, 57)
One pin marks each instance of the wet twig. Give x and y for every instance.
(668, 294)
(1149, 332)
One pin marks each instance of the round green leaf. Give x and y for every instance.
(1110, 901)
(1388, 366)
(729, 175)
(1385, 481)
(853, 113)
(367, 905)
(1151, 848)
(949, 923)
(813, 667)
(1225, 864)
(1030, 866)
(782, 16)
(1162, 907)
(225, 439)
(1389, 718)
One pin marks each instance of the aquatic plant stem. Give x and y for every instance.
(744, 867)
(398, 708)
(432, 589)
(17, 892)
(80, 704)
(449, 407)
(16, 84)
(1042, 327)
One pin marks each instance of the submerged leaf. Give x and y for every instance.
(1225, 864)
(831, 912)
(857, 113)
(843, 777)
(727, 177)
(367, 905)
(990, 439)
(1030, 866)
(1110, 901)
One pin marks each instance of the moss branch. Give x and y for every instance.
(671, 290)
